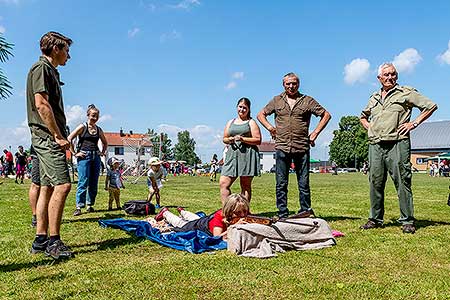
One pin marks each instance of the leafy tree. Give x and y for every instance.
(5, 53)
(185, 148)
(166, 144)
(349, 147)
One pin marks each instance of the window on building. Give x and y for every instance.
(118, 151)
(420, 161)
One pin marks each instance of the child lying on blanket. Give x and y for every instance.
(235, 206)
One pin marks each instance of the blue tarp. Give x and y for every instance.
(195, 241)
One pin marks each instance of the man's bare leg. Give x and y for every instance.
(33, 195)
(42, 210)
(56, 207)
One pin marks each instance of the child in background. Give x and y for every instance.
(154, 180)
(234, 207)
(114, 183)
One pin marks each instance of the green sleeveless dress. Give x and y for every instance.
(240, 159)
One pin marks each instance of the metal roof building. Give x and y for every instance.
(431, 136)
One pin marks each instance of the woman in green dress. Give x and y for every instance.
(241, 155)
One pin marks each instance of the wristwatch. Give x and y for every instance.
(415, 124)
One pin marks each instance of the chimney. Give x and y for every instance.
(131, 131)
(121, 132)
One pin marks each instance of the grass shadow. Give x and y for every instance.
(338, 218)
(95, 219)
(28, 265)
(107, 244)
(418, 223)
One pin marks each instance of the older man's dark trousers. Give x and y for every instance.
(392, 157)
(283, 162)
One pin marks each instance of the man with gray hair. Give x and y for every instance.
(387, 120)
(293, 112)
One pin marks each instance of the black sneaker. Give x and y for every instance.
(33, 221)
(371, 225)
(58, 250)
(37, 247)
(77, 212)
(90, 209)
(409, 228)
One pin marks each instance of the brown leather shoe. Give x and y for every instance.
(371, 225)
(303, 214)
(409, 228)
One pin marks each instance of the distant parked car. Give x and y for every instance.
(352, 170)
(314, 170)
(342, 170)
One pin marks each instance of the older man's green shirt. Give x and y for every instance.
(386, 115)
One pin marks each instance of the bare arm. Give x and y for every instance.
(324, 119)
(46, 113)
(255, 139)
(217, 231)
(405, 128)
(227, 139)
(104, 143)
(262, 118)
(73, 135)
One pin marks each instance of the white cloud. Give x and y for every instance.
(147, 5)
(445, 57)
(2, 29)
(15, 137)
(238, 75)
(173, 35)
(234, 77)
(104, 118)
(75, 115)
(185, 4)
(356, 70)
(231, 85)
(208, 140)
(407, 60)
(132, 32)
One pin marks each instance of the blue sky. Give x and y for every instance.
(183, 64)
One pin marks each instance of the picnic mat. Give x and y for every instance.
(195, 241)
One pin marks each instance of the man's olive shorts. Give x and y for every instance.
(52, 161)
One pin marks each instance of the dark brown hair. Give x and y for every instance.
(52, 39)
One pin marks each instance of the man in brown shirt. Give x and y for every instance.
(293, 112)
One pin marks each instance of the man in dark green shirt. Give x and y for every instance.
(387, 119)
(47, 122)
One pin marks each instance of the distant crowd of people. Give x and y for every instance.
(441, 169)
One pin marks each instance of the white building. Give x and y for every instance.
(129, 147)
(266, 156)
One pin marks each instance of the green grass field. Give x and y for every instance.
(109, 264)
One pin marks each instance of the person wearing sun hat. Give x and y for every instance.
(154, 180)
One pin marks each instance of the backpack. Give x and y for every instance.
(139, 207)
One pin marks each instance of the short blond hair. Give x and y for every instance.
(234, 203)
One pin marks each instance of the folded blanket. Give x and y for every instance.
(261, 241)
(195, 241)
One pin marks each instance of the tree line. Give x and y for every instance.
(183, 150)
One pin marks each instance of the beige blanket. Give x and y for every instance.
(261, 241)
